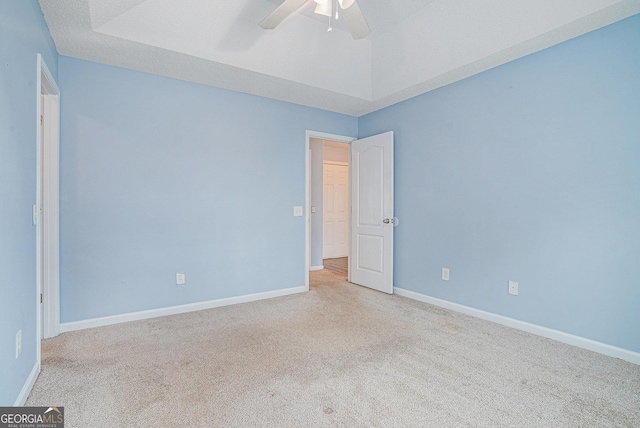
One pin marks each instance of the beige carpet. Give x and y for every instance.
(340, 355)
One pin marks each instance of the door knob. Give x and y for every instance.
(386, 221)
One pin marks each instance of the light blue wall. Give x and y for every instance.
(160, 176)
(316, 198)
(528, 172)
(23, 34)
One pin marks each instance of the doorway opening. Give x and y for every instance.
(332, 206)
(366, 201)
(328, 213)
(46, 209)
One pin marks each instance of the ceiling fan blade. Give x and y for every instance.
(355, 21)
(277, 16)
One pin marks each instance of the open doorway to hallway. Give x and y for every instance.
(329, 200)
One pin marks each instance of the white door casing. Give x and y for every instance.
(46, 212)
(372, 221)
(335, 211)
(41, 202)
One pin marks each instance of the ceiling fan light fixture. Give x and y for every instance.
(350, 13)
(346, 4)
(323, 9)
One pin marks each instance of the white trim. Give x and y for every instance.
(349, 259)
(49, 84)
(307, 197)
(320, 267)
(173, 310)
(560, 336)
(28, 385)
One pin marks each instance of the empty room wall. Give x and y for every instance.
(23, 34)
(528, 172)
(160, 176)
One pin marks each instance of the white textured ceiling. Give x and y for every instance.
(414, 46)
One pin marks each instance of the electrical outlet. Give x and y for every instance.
(445, 274)
(297, 211)
(180, 278)
(513, 288)
(18, 343)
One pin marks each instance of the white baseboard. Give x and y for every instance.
(26, 388)
(173, 310)
(560, 336)
(320, 267)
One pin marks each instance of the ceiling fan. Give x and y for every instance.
(347, 9)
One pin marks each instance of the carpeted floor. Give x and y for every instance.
(339, 355)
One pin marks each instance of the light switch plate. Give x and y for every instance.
(445, 274)
(18, 343)
(313, 209)
(297, 211)
(513, 288)
(180, 278)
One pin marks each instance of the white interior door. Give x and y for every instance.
(41, 231)
(335, 212)
(46, 213)
(371, 259)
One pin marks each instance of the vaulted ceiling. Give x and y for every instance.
(414, 46)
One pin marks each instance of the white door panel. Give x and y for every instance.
(335, 212)
(371, 260)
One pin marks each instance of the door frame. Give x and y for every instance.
(47, 196)
(307, 194)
